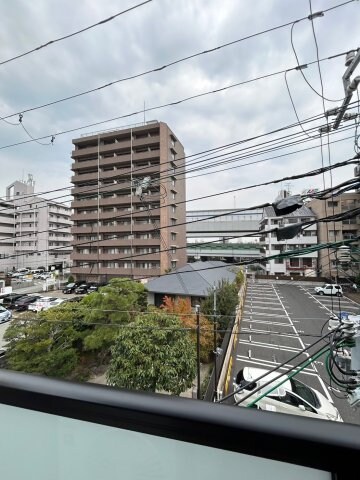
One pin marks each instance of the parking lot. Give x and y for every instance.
(280, 320)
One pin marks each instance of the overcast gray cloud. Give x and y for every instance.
(153, 35)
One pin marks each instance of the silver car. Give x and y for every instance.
(5, 315)
(292, 396)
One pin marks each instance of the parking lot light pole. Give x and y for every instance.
(197, 310)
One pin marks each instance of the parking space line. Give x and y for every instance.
(271, 345)
(270, 363)
(307, 354)
(269, 332)
(266, 322)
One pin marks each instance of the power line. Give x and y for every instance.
(104, 188)
(301, 67)
(274, 369)
(158, 107)
(209, 151)
(158, 69)
(308, 174)
(73, 34)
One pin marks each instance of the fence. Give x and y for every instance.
(219, 359)
(225, 359)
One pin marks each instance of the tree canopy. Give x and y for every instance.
(226, 302)
(153, 353)
(182, 308)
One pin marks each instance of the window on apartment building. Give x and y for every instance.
(349, 221)
(332, 204)
(173, 264)
(173, 221)
(173, 250)
(349, 234)
(279, 260)
(307, 262)
(173, 236)
(294, 262)
(173, 182)
(173, 209)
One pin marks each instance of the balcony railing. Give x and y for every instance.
(63, 430)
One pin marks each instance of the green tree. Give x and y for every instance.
(47, 344)
(239, 280)
(117, 303)
(154, 353)
(226, 302)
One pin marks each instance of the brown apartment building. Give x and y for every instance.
(121, 229)
(338, 231)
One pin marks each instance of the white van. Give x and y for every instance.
(329, 289)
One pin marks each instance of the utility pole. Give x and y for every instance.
(351, 62)
(197, 309)
(215, 343)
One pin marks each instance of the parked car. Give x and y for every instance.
(41, 304)
(2, 357)
(93, 287)
(5, 315)
(44, 276)
(292, 396)
(24, 302)
(10, 300)
(329, 289)
(81, 289)
(54, 303)
(70, 287)
(73, 299)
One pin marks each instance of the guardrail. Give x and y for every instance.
(71, 430)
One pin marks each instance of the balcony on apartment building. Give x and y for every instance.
(68, 430)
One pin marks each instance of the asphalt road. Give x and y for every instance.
(279, 321)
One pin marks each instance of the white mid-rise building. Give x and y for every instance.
(7, 235)
(304, 265)
(40, 227)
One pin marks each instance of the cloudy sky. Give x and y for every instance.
(151, 36)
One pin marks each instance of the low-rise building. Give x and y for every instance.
(304, 265)
(193, 281)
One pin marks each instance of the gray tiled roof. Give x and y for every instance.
(193, 280)
(300, 212)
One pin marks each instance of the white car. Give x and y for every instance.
(44, 303)
(292, 396)
(329, 289)
(55, 303)
(5, 315)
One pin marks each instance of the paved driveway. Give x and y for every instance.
(280, 320)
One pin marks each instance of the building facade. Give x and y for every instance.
(42, 236)
(7, 235)
(128, 203)
(337, 232)
(304, 265)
